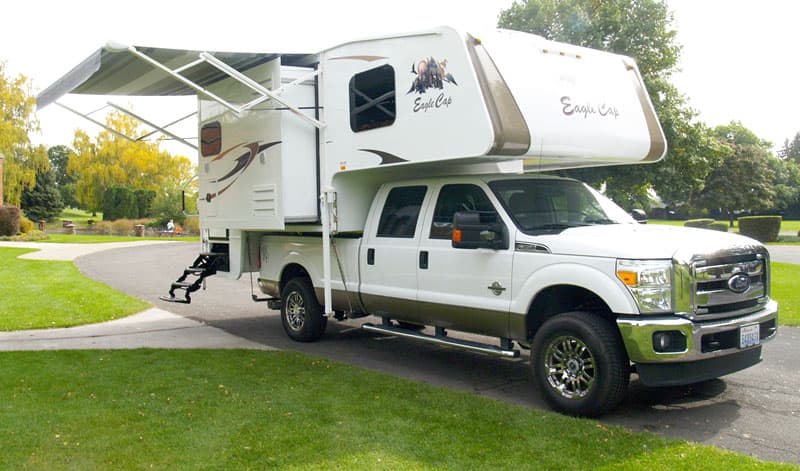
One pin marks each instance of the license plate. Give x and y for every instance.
(749, 335)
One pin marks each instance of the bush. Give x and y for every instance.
(144, 200)
(103, 228)
(9, 221)
(761, 228)
(25, 225)
(702, 223)
(122, 227)
(191, 225)
(718, 226)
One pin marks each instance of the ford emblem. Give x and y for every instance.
(739, 283)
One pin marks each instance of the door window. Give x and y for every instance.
(453, 198)
(401, 212)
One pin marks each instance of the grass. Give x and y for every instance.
(256, 410)
(60, 238)
(78, 217)
(39, 294)
(785, 280)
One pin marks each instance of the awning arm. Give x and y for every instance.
(157, 128)
(265, 93)
(102, 125)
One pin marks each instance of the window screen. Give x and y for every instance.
(401, 211)
(372, 103)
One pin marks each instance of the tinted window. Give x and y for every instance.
(401, 212)
(372, 103)
(210, 139)
(452, 198)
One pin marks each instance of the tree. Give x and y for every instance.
(787, 187)
(59, 160)
(643, 30)
(43, 201)
(109, 160)
(742, 181)
(22, 160)
(791, 149)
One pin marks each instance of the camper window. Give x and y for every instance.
(211, 139)
(372, 99)
(401, 211)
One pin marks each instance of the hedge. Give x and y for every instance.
(702, 223)
(761, 228)
(718, 226)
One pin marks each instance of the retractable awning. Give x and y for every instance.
(117, 69)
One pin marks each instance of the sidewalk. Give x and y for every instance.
(153, 328)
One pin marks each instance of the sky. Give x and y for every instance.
(739, 58)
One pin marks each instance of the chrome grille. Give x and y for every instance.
(730, 286)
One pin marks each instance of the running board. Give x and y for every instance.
(441, 340)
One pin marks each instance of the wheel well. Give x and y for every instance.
(292, 271)
(556, 300)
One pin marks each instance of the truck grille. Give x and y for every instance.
(730, 286)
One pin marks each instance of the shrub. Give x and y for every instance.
(144, 200)
(718, 226)
(192, 225)
(25, 225)
(761, 228)
(9, 220)
(122, 227)
(702, 223)
(119, 202)
(103, 227)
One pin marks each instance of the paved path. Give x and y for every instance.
(785, 253)
(152, 328)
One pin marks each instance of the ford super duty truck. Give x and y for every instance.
(545, 263)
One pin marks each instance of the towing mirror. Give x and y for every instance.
(639, 215)
(479, 230)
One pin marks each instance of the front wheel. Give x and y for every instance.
(580, 364)
(301, 314)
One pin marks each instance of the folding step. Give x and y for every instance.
(441, 339)
(173, 299)
(182, 284)
(205, 265)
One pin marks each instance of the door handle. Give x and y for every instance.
(423, 259)
(370, 256)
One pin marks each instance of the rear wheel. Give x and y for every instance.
(580, 364)
(301, 314)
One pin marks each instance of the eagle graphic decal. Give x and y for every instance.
(430, 73)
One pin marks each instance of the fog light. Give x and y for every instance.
(671, 341)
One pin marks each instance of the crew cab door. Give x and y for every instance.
(388, 258)
(464, 289)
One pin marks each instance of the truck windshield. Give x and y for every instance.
(540, 206)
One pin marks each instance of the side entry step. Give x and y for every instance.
(205, 265)
(441, 339)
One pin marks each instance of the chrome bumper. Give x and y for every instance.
(637, 334)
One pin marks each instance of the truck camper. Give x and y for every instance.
(400, 177)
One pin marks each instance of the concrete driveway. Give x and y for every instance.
(756, 411)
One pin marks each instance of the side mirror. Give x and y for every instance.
(639, 215)
(479, 229)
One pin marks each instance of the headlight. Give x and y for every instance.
(650, 283)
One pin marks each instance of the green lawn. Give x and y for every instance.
(60, 238)
(785, 280)
(78, 217)
(228, 409)
(37, 294)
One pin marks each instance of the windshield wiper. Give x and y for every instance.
(600, 221)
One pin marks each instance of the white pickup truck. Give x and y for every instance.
(547, 263)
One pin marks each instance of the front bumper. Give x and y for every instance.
(707, 344)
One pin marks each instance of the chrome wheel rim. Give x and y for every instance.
(295, 311)
(570, 367)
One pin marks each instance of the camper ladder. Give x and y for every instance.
(205, 265)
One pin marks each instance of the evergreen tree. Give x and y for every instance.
(43, 201)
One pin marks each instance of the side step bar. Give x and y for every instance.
(442, 340)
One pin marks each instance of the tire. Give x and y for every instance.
(579, 364)
(301, 314)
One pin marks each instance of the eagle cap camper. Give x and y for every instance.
(399, 177)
